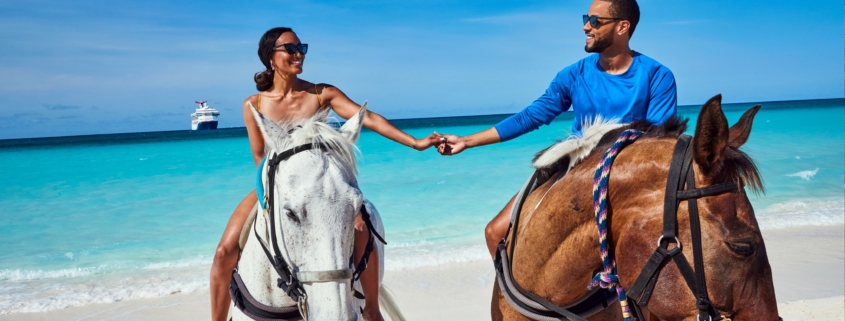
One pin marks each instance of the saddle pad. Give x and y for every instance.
(248, 226)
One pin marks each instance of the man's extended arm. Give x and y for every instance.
(542, 111)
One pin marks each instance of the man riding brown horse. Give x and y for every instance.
(667, 212)
(614, 83)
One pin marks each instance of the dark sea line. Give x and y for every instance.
(409, 123)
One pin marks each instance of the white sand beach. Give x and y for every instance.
(808, 265)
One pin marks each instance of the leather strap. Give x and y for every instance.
(509, 284)
(709, 190)
(673, 183)
(323, 276)
(681, 186)
(254, 309)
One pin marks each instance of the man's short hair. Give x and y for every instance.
(626, 9)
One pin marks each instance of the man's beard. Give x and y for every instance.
(600, 44)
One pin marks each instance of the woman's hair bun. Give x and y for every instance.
(264, 80)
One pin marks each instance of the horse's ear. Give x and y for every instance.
(272, 132)
(352, 128)
(739, 131)
(711, 134)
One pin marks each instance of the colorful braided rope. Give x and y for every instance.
(607, 279)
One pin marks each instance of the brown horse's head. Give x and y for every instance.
(739, 277)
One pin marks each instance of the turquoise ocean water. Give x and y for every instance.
(101, 219)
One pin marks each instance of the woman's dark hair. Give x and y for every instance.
(264, 79)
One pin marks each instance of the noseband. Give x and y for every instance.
(680, 186)
(291, 279)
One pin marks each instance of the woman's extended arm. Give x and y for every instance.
(346, 108)
(256, 141)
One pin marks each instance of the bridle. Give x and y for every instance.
(680, 186)
(291, 279)
(681, 174)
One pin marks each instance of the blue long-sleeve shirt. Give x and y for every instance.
(645, 91)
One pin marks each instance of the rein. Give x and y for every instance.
(681, 175)
(291, 279)
(607, 278)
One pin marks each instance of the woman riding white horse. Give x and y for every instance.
(283, 96)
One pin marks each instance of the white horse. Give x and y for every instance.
(316, 201)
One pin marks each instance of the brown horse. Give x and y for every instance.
(557, 250)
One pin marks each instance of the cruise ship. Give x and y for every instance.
(205, 117)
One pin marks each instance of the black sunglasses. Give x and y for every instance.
(291, 48)
(594, 20)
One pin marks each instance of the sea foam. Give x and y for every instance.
(806, 212)
(28, 275)
(425, 254)
(38, 291)
(805, 175)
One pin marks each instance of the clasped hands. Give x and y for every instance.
(447, 145)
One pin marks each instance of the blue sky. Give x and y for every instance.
(73, 67)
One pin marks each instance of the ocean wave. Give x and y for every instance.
(47, 296)
(805, 175)
(819, 212)
(16, 275)
(197, 261)
(28, 275)
(426, 254)
(409, 244)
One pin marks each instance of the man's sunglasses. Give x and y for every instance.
(291, 48)
(594, 20)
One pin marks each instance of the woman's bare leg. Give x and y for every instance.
(226, 258)
(498, 227)
(369, 278)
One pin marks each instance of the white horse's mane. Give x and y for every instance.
(316, 130)
(577, 147)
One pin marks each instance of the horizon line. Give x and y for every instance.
(5, 142)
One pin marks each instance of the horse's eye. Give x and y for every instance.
(742, 249)
(291, 216)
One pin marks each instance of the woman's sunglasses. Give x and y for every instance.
(291, 48)
(594, 20)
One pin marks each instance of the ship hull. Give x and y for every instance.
(206, 125)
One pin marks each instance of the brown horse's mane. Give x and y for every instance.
(735, 165)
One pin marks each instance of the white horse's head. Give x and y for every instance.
(316, 200)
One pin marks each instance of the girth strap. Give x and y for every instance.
(535, 307)
(365, 258)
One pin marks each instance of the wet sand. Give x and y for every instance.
(808, 265)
